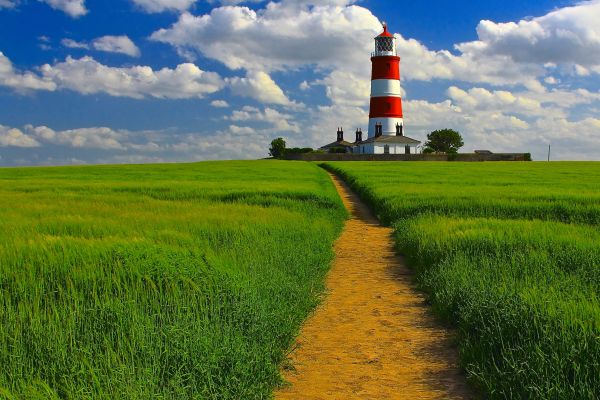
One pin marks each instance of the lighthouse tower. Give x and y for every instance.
(386, 124)
(385, 114)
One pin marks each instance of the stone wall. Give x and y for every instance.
(409, 157)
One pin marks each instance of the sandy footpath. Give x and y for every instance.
(373, 337)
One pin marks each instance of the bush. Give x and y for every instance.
(298, 150)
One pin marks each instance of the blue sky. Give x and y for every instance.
(91, 81)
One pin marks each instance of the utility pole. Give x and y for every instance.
(548, 152)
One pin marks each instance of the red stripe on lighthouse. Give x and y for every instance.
(385, 107)
(385, 67)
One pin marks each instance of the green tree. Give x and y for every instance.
(277, 148)
(444, 141)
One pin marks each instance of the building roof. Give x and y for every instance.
(385, 32)
(389, 139)
(342, 143)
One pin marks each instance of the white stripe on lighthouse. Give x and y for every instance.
(388, 125)
(385, 88)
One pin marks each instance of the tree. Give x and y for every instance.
(444, 141)
(277, 148)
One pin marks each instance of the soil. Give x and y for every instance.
(373, 337)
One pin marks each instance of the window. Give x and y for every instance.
(386, 149)
(407, 150)
(385, 44)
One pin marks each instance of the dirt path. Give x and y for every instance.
(373, 337)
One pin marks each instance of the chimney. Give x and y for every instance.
(399, 130)
(358, 135)
(340, 134)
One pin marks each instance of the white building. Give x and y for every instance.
(387, 144)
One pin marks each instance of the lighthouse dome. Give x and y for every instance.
(385, 43)
(385, 32)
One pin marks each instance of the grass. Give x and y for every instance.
(158, 281)
(509, 253)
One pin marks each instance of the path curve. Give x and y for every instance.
(373, 337)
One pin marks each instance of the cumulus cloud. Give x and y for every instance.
(87, 76)
(278, 121)
(95, 138)
(8, 3)
(285, 34)
(282, 36)
(567, 35)
(154, 6)
(73, 44)
(22, 81)
(219, 104)
(117, 44)
(498, 100)
(12, 137)
(73, 8)
(260, 86)
(347, 88)
(236, 143)
(486, 123)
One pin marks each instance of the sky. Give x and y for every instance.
(137, 81)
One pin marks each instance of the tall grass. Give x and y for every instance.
(162, 281)
(510, 254)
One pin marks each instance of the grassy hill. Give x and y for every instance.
(509, 253)
(158, 281)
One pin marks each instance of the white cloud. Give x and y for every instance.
(499, 100)
(259, 86)
(154, 6)
(304, 85)
(486, 122)
(87, 76)
(278, 122)
(219, 104)
(21, 81)
(15, 138)
(237, 143)
(347, 88)
(73, 44)
(567, 35)
(117, 44)
(73, 8)
(8, 3)
(285, 34)
(241, 130)
(94, 138)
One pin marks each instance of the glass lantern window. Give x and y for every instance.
(385, 44)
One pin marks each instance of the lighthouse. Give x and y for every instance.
(385, 111)
(386, 134)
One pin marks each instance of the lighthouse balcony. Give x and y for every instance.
(383, 53)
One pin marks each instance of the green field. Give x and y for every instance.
(159, 281)
(191, 280)
(509, 253)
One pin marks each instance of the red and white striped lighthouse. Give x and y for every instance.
(385, 113)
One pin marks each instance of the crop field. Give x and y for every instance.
(509, 253)
(159, 281)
